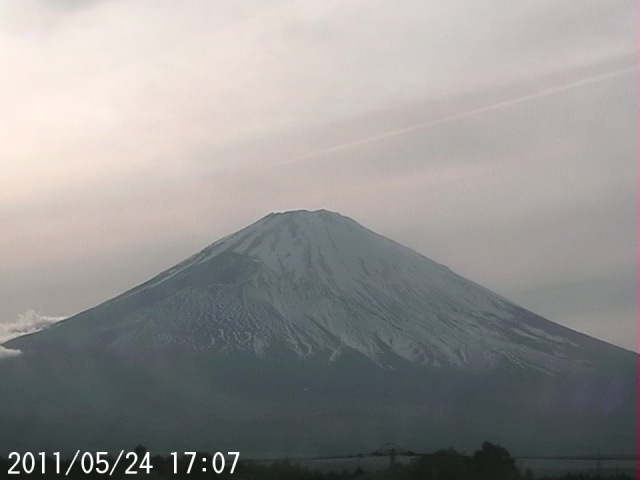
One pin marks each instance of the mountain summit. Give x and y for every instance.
(320, 286)
(308, 333)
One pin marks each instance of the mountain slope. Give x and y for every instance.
(307, 333)
(321, 285)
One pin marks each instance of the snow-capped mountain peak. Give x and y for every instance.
(319, 285)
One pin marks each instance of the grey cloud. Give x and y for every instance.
(66, 5)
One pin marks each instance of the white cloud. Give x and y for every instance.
(7, 352)
(23, 324)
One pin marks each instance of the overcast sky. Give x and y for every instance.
(497, 137)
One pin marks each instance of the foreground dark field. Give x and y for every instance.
(490, 462)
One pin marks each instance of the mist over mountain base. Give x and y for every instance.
(173, 402)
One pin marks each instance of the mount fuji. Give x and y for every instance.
(307, 332)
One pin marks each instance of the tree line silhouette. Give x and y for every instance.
(490, 462)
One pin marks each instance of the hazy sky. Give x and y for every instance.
(497, 137)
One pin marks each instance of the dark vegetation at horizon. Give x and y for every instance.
(490, 462)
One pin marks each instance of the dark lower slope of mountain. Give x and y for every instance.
(307, 333)
(173, 402)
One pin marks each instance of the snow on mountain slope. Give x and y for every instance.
(320, 285)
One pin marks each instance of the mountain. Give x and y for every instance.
(320, 285)
(356, 334)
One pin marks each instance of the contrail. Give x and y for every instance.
(457, 116)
